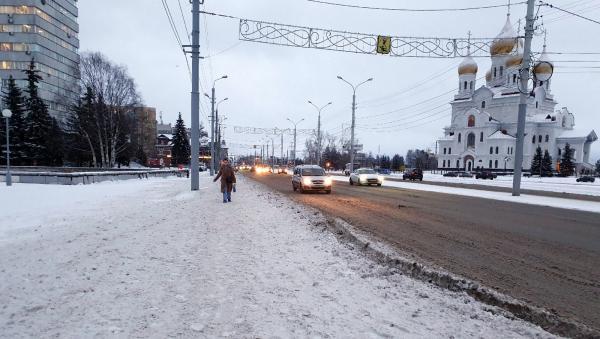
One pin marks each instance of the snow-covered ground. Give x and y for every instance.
(152, 259)
(556, 184)
(574, 204)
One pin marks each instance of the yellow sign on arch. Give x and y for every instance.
(384, 44)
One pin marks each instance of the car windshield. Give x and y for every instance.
(313, 172)
(366, 171)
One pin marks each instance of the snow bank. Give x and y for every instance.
(151, 259)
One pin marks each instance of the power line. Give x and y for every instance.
(413, 9)
(566, 11)
(176, 34)
(187, 31)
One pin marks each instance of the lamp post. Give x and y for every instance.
(295, 123)
(354, 88)
(218, 130)
(6, 113)
(319, 109)
(213, 125)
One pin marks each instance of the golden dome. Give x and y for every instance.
(544, 65)
(517, 59)
(467, 66)
(505, 42)
(488, 75)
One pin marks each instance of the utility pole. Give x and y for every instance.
(295, 130)
(319, 109)
(195, 96)
(281, 148)
(524, 74)
(213, 122)
(354, 88)
(273, 155)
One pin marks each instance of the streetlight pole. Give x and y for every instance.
(319, 109)
(6, 113)
(218, 131)
(354, 88)
(212, 126)
(195, 96)
(295, 130)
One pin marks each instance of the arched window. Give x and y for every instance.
(483, 104)
(491, 150)
(540, 138)
(496, 149)
(490, 164)
(471, 121)
(457, 163)
(533, 140)
(465, 85)
(471, 140)
(449, 152)
(481, 137)
(444, 164)
(537, 104)
(494, 72)
(547, 138)
(514, 78)
(496, 164)
(444, 150)
(471, 85)
(459, 137)
(564, 121)
(501, 70)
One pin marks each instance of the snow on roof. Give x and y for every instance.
(542, 117)
(500, 135)
(446, 138)
(578, 134)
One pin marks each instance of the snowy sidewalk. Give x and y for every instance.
(151, 259)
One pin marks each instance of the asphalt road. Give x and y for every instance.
(547, 257)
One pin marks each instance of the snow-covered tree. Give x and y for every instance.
(180, 152)
(567, 168)
(536, 162)
(598, 167)
(546, 169)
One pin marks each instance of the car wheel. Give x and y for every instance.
(378, 184)
(295, 188)
(302, 189)
(351, 182)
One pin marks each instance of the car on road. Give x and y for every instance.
(485, 175)
(465, 174)
(365, 176)
(413, 175)
(586, 178)
(281, 170)
(311, 178)
(451, 174)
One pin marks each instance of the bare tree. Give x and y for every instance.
(115, 97)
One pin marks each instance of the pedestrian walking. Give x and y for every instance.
(227, 176)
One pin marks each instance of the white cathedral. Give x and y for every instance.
(484, 120)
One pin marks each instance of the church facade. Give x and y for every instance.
(482, 130)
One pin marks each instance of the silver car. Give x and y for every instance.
(366, 176)
(311, 178)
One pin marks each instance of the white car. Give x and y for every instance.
(311, 178)
(365, 176)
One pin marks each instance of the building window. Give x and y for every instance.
(444, 164)
(471, 121)
(490, 164)
(496, 164)
(465, 85)
(481, 137)
(449, 152)
(496, 149)
(494, 72)
(471, 140)
(457, 163)
(501, 70)
(459, 137)
(540, 138)
(514, 78)
(547, 138)
(444, 150)
(491, 150)
(471, 85)
(483, 104)
(537, 104)
(533, 140)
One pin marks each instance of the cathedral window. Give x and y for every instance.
(494, 72)
(483, 104)
(471, 140)
(491, 150)
(501, 70)
(537, 104)
(449, 152)
(496, 164)
(514, 78)
(540, 138)
(547, 138)
(559, 151)
(444, 164)
(490, 164)
(444, 150)
(533, 140)
(481, 137)
(465, 85)
(471, 121)
(459, 137)
(457, 163)
(497, 149)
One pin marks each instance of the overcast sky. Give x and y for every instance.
(268, 84)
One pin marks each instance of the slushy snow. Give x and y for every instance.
(149, 258)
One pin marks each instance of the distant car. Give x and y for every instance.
(451, 174)
(485, 175)
(282, 170)
(384, 171)
(586, 178)
(311, 178)
(413, 175)
(365, 176)
(465, 174)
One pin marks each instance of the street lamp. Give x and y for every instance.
(295, 123)
(354, 88)
(319, 109)
(213, 126)
(6, 113)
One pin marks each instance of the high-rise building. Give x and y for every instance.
(47, 32)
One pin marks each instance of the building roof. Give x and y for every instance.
(500, 135)
(578, 134)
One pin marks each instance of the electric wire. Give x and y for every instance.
(412, 9)
(567, 11)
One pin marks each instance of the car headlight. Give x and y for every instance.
(328, 181)
(362, 177)
(380, 178)
(306, 181)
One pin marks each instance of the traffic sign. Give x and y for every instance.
(384, 44)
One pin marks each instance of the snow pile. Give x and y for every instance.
(151, 259)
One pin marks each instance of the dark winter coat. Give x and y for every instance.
(227, 175)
